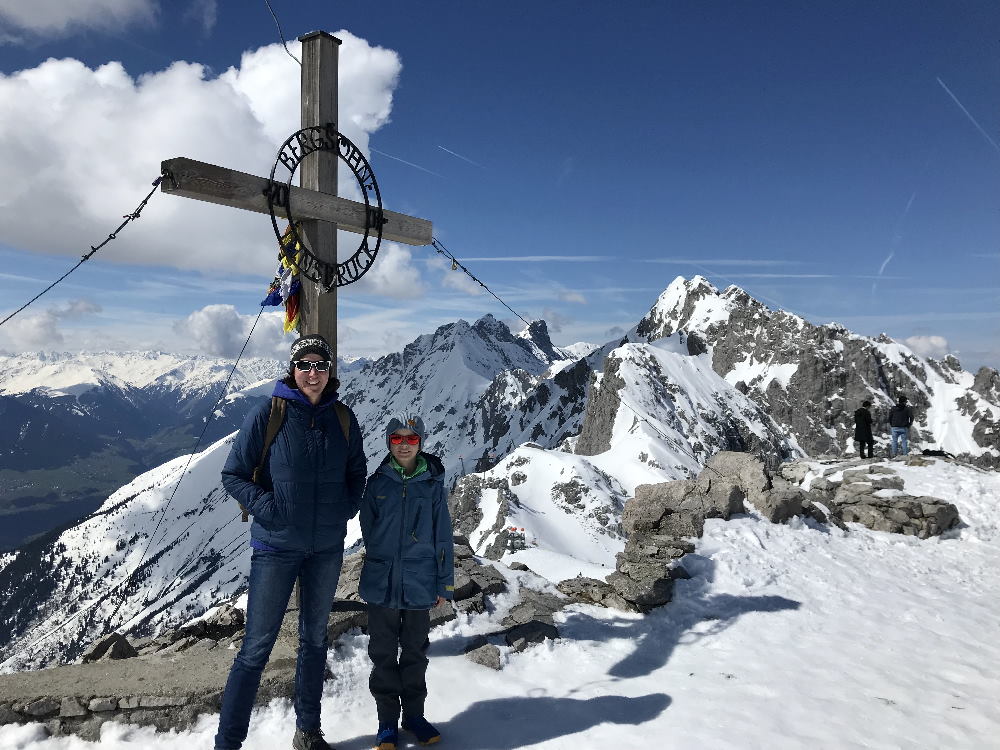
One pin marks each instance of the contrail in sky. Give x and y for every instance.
(897, 236)
(969, 115)
(463, 158)
(407, 163)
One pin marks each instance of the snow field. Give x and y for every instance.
(787, 636)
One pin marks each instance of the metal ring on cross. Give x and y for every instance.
(298, 146)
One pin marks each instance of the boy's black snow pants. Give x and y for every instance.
(397, 646)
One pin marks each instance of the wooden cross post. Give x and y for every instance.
(320, 52)
(315, 201)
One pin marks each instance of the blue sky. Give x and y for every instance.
(839, 160)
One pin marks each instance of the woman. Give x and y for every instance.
(310, 486)
(408, 570)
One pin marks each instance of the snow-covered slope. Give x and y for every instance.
(180, 555)
(481, 390)
(786, 637)
(655, 413)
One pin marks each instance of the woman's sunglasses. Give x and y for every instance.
(395, 439)
(304, 365)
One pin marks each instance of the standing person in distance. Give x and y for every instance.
(310, 485)
(408, 570)
(900, 418)
(863, 429)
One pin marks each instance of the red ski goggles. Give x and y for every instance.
(395, 439)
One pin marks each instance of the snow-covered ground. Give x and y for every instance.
(793, 636)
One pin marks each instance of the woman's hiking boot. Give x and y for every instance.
(309, 739)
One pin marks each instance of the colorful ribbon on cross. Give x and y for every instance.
(286, 286)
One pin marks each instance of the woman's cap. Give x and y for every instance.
(310, 344)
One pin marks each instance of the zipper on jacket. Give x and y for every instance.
(315, 504)
(399, 557)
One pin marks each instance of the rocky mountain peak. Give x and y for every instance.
(537, 333)
(682, 302)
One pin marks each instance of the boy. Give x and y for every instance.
(408, 570)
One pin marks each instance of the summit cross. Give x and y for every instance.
(315, 201)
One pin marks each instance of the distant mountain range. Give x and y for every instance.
(75, 427)
(534, 436)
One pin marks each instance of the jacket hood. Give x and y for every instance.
(281, 390)
(434, 466)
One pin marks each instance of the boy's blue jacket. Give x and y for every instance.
(313, 479)
(409, 552)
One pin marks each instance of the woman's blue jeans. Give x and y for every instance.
(272, 575)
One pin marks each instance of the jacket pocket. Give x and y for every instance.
(420, 582)
(374, 584)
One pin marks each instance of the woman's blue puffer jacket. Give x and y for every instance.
(313, 478)
(409, 552)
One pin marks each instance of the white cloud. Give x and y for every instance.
(61, 17)
(928, 346)
(65, 188)
(567, 296)
(392, 275)
(41, 330)
(455, 279)
(555, 319)
(220, 331)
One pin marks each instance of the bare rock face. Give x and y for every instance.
(601, 410)
(113, 646)
(745, 470)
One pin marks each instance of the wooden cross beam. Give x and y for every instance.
(315, 201)
(227, 187)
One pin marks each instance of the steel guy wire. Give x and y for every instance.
(128, 217)
(162, 512)
(194, 451)
(280, 34)
(455, 265)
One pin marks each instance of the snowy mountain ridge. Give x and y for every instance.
(550, 444)
(811, 378)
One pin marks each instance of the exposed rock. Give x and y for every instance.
(643, 590)
(103, 704)
(592, 591)
(113, 646)
(71, 707)
(533, 605)
(227, 620)
(794, 471)
(473, 606)
(350, 577)
(442, 613)
(42, 707)
(601, 411)
(778, 506)
(90, 730)
(486, 655)
(529, 633)
(744, 469)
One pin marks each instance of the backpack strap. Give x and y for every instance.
(345, 419)
(274, 422)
